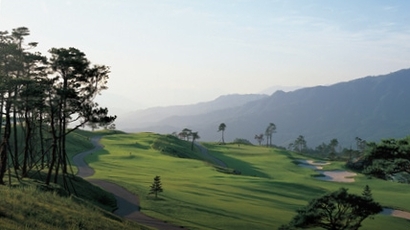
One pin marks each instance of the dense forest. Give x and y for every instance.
(42, 99)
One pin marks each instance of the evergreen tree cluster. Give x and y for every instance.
(43, 99)
(387, 158)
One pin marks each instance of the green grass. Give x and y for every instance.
(27, 207)
(30, 204)
(79, 141)
(76, 186)
(266, 194)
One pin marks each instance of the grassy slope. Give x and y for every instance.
(30, 208)
(27, 205)
(265, 196)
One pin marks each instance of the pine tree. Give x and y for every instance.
(367, 193)
(336, 210)
(156, 187)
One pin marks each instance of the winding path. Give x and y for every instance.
(127, 203)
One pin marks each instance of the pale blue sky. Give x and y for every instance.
(186, 51)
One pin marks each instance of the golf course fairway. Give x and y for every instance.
(265, 192)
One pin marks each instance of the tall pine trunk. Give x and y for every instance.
(15, 137)
(42, 152)
(1, 115)
(4, 146)
(53, 146)
(27, 144)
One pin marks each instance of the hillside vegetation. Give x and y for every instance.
(266, 194)
(31, 204)
(31, 208)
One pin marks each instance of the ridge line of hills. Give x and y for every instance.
(372, 108)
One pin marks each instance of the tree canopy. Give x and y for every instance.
(268, 133)
(47, 98)
(195, 136)
(299, 144)
(387, 158)
(259, 138)
(222, 128)
(336, 210)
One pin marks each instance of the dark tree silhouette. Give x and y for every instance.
(43, 98)
(387, 158)
(268, 133)
(333, 144)
(336, 210)
(221, 129)
(194, 136)
(156, 187)
(186, 133)
(76, 83)
(259, 138)
(299, 144)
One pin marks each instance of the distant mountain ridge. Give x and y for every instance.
(371, 108)
(275, 88)
(150, 116)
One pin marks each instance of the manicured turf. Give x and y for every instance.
(266, 194)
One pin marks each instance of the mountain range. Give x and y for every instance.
(372, 108)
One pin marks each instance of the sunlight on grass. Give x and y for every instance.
(266, 194)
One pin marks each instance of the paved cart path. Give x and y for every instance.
(127, 202)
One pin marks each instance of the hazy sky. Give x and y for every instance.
(186, 51)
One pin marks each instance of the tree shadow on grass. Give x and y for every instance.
(135, 145)
(81, 188)
(95, 156)
(130, 157)
(236, 166)
(152, 198)
(293, 190)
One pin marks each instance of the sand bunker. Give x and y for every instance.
(396, 213)
(345, 176)
(336, 176)
(312, 164)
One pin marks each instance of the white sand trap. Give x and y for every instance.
(396, 213)
(345, 176)
(311, 164)
(337, 176)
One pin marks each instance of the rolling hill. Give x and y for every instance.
(271, 186)
(151, 116)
